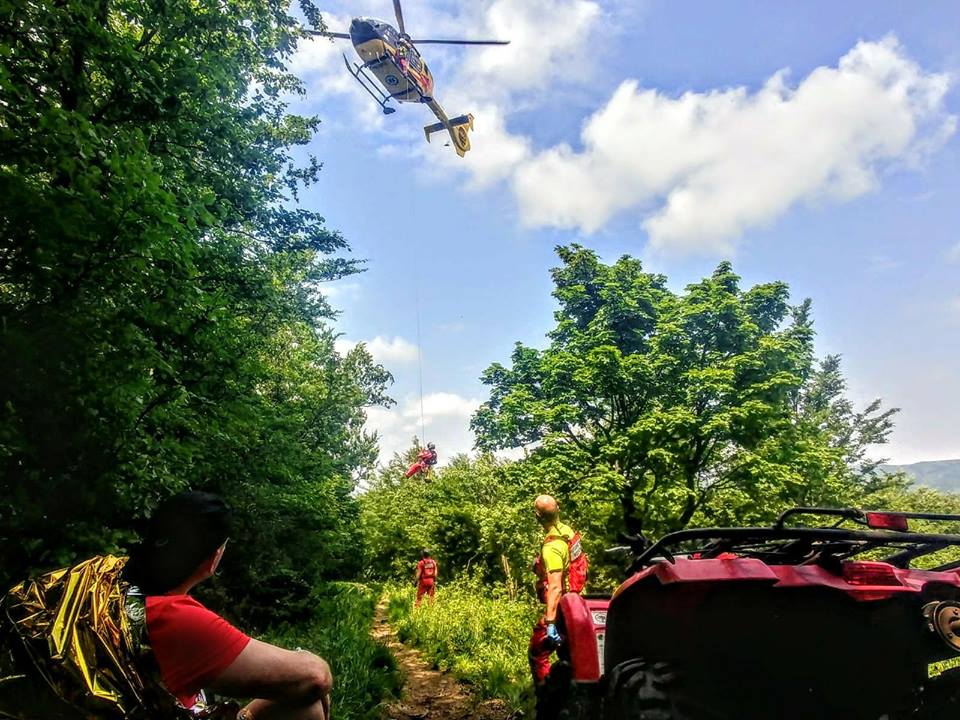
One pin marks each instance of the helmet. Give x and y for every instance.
(431, 446)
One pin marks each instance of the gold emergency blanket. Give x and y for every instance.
(82, 634)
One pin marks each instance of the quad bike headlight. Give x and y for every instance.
(943, 618)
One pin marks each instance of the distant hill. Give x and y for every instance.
(937, 474)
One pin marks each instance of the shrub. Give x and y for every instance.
(473, 631)
(365, 673)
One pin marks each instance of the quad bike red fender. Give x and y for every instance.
(584, 624)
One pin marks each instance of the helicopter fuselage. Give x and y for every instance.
(394, 61)
(392, 69)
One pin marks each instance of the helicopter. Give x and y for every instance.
(390, 58)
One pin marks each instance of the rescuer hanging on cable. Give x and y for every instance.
(426, 459)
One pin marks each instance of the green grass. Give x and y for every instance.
(365, 673)
(477, 635)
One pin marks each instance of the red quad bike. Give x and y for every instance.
(769, 622)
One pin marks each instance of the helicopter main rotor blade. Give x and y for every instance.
(324, 33)
(399, 12)
(460, 42)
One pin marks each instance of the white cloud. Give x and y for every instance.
(318, 61)
(343, 346)
(447, 405)
(446, 422)
(702, 168)
(495, 81)
(878, 264)
(385, 350)
(953, 254)
(697, 170)
(501, 152)
(954, 306)
(340, 290)
(716, 163)
(542, 35)
(456, 326)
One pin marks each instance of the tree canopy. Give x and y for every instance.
(162, 320)
(163, 325)
(472, 514)
(678, 404)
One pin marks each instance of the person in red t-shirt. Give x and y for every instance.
(194, 647)
(426, 577)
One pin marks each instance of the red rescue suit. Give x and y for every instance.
(574, 579)
(425, 460)
(539, 651)
(427, 582)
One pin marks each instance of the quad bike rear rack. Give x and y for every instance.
(881, 530)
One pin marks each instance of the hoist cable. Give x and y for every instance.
(416, 301)
(423, 432)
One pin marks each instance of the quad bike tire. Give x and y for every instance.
(940, 700)
(560, 698)
(640, 689)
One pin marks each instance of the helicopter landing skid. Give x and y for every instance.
(359, 73)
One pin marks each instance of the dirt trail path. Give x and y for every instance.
(429, 694)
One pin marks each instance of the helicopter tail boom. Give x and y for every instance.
(430, 129)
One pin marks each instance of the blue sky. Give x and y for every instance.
(809, 142)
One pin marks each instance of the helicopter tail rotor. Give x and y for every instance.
(458, 128)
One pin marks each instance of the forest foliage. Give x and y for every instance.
(477, 635)
(703, 405)
(339, 629)
(648, 410)
(163, 326)
(162, 318)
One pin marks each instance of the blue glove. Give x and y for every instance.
(553, 636)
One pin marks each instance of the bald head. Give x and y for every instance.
(547, 510)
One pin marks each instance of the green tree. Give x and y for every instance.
(473, 514)
(703, 404)
(162, 321)
(823, 402)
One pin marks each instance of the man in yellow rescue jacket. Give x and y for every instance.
(561, 567)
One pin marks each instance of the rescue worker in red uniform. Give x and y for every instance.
(560, 567)
(426, 578)
(426, 459)
(403, 47)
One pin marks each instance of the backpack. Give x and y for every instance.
(575, 577)
(83, 632)
(429, 569)
(579, 565)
